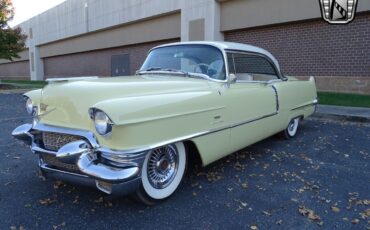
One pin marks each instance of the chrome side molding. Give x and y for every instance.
(312, 103)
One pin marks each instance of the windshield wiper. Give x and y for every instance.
(175, 71)
(199, 75)
(160, 69)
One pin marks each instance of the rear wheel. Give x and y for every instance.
(162, 173)
(292, 128)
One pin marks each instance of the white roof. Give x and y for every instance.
(229, 46)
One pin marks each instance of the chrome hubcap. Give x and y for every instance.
(291, 126)
(162, 166)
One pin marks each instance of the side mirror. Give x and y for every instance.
(232, 78)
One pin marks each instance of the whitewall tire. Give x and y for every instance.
(292, 128)
(162, 173)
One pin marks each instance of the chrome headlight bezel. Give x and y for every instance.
(103, 124)
(30, 107)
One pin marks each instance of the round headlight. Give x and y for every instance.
(103, 125)
(29, 106)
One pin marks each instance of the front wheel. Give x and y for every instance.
(292, 128)
(162, 173)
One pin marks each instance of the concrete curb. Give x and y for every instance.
(338, 117)
(343, 113)
(10, 91)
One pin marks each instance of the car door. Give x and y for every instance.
(252, 101)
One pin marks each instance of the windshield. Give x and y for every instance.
(202, 59)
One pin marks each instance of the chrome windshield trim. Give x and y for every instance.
(224, 57)
(189, 74)
(313, 103)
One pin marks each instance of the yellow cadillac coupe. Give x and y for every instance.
(136, 134)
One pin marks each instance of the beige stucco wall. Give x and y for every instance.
(155, 29)
(24, 56)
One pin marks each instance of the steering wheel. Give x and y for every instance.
(203, 67)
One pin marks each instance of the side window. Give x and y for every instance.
(250, 67)
(230, 62)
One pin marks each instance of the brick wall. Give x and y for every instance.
(315, 47)
(96, 63)
(15, 70)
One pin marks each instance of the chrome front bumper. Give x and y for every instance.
(108, 170)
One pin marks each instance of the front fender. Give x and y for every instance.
(132, 110)
(148, 120)
(34, 95)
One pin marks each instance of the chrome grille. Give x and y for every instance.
(54, 141)
(52, 160)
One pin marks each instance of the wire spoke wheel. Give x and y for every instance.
(162, 173)
(162, 166)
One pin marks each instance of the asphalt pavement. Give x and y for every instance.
(318, 180)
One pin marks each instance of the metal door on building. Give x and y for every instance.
(120, 65)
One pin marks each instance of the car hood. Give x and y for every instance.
(124, 99)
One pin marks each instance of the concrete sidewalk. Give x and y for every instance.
(357, 114)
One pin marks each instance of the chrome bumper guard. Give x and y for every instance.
(108, 170)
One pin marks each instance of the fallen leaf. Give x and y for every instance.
(280, 222)
(243, 204)
(75, 201)
(109, 204)
(355, 221)
(266, 213)
(55, 227)
(363, 202)
(100, 200)
(309, 213)
(47, 201)
(244, 185)
(365, 214)
(335, 209)
(353, 193)
(58, 184)
(313, 216)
